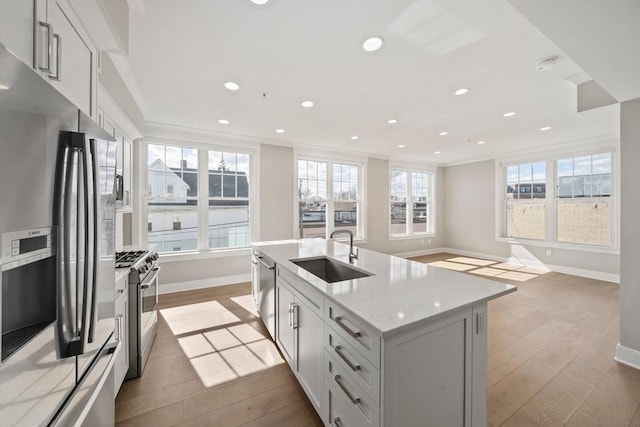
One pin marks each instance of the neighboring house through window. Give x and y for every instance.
(184, 217)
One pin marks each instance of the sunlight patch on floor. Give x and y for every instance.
(224, 353)
(508, 271)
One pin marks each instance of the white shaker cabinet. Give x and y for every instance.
(299, 332)
(121, 365)
(47, 35)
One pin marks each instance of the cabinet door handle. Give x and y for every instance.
(58, 75)
(337, 421)
(290, 315)
(118, 327)
(354, 400)
(353, 366)
(295, 315)
(347, 329)
(49, 45)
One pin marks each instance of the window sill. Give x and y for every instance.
(205, 254)
(557, 245)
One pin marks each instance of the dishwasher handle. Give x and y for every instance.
(262, 261)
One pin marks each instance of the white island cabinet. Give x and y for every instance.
(404, 346)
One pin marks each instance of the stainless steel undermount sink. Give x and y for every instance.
(329, 269)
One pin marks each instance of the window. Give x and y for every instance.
(329, 198)
(525, 200)
(411, 210)
(584, 200)
(184, 217)
(564, 200)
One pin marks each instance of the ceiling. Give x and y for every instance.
(182, 52)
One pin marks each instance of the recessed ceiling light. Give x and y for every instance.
(354, 137)
(4, 87)
(232, 85)
(401, 146)
(372, 43)
(545, 128)
(260, 2)
(444, 133)
(481, 142)
(279, 130)
(223, 121)
(461, 91)
(437, 152)
(546, 64)
(392, 121)
(307, 104)
(509, 114)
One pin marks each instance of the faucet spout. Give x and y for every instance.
(352, 255)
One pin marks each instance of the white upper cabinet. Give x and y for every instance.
(16, 28)
(48, 35)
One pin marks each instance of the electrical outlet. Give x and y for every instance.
(548, 252)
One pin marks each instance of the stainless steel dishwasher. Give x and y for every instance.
(264, 289)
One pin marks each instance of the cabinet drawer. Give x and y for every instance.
(341, 395)
(353, 363)
(302, 289)
(355, 331)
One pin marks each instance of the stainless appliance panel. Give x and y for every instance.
(267, 300)
(36, 380)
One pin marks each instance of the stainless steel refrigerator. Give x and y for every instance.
(57, 214)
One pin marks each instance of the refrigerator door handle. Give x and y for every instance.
(93, 229)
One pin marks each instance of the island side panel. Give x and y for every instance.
(479, 366)
(427, 374)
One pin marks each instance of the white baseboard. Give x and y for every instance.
(418, 253)
(590, 274)
(628, 356)
(169, 288)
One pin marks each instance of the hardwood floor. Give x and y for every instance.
(212, 365)
(550, 358)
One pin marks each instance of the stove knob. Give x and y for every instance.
(142, 269)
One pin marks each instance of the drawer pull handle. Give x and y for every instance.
(354, 400)
(353, 366)
(351, 332)
(337, 421)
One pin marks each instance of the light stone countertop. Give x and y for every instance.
(400, 294)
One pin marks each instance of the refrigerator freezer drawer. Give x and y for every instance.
(92, 404)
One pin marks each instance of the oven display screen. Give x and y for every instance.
(33, 244)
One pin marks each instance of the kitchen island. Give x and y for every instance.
(403, 346)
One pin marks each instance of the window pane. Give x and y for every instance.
(526, 172)
(215, 161)
(243, 163)
(191, 180)
(215, 185)
(399, 183)
(564, 167)
(565, 186)
(526, 219)
(539, 172)
(584, 221)
(512, 174)
(420, 214)
(228, 224)
(173, 156)
(229, 161)
(582, 166)
(173, 228)
(602, 163)
(312, 191)
(345, 216)
(228, 185)
(190, 159)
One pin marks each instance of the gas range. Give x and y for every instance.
(140, 263)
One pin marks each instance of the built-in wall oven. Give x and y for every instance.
(143, 305)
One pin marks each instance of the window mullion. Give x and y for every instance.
(329, 211)
(203, 200)
(409, 219)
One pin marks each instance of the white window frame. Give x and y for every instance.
(331, 158)
(551, 199)
(431, 200)
(203, 251)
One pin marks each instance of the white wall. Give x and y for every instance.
(469, 193)
(276, 192)
(629, 348)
